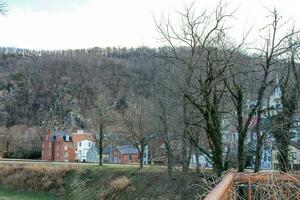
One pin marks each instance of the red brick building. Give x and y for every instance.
(125, 155)
(58, 146)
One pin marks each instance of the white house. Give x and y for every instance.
(203, 161)
(82, 143)
(82, 148)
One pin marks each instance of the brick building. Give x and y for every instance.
(58, 146)
(125, 154)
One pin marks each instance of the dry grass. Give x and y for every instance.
(33, 177)
(119, 184)
(109, 182)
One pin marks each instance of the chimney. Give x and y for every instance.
(48, 131)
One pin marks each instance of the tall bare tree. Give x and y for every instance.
(275, 46)
(203, 62)
(139, 125)
(102, 115)
(283, 121)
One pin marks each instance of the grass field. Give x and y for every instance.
(6, 194)
(88, 182)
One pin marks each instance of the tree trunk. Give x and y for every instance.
(258, 150)
(184, 153)
(241, 130)
(241, 152)
(169, 160)
(197, 154)
(100, 144)
(166, 139)
(283, 158)
(259, 139)
(283, 123)
(141, 155)
(213, 125)
(169, 155)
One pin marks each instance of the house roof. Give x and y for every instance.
(127, 149)
(106, 149)
(83, 136)
(69, 144)
(59, 133)
(296, 145)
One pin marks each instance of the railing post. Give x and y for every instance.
(249, 192)
(223, 189)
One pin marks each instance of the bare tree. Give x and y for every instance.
(164, 112)
(283, 121)
(3, 7)
(203, 62)
(275, 46)
(102, 115)
(139, 126)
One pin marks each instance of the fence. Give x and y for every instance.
(263, 185)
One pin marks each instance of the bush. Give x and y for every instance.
(23, 154)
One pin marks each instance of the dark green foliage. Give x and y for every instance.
(23, 154)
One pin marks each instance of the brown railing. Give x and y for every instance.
(264, 185)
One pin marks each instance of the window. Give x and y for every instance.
(129, 157)
(89, 144)
(80, 144)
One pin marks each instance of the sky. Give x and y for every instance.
(72, 24)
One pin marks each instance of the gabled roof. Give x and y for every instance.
(127, 149)
(83, 136)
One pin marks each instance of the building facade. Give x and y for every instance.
(58, 146)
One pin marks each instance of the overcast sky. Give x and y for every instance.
(64, 24)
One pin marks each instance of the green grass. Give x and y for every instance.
(6, 194)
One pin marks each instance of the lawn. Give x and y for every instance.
(6, 194)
